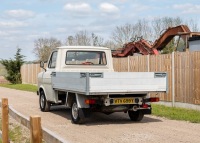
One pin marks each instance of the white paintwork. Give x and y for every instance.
(62, 67)
(67, 78)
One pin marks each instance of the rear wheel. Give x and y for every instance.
(76, 115)
(136, 115)
(44, 104)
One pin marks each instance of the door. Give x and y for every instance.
(50, 94)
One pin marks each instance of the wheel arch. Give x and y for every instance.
(79, 98)
(42, 89)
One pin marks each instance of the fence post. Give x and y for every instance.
(28, 74)
(148, 65)
(5, 120)
(35, 129)
(173, 81)
(128, 63)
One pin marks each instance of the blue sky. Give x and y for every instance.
(23, 21)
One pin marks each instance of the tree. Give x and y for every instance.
(82, 38)
(193, 24)
(131, 32)
(13, 67)
(97, 40)
(142, 29)
(159, 25)
(123, 34)
(44, 47)
(110, 44)
(70, 41)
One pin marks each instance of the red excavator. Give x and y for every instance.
(141, 46)
(145, 48)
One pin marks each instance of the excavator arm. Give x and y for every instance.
(168, 35)
(145, 48)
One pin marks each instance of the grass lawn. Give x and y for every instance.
(175, 113)
(25, 87)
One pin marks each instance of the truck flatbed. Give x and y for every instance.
(110, 82)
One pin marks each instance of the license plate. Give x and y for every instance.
(123, 101)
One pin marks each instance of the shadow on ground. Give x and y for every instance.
(102, 119)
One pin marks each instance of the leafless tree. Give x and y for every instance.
(193, 25)
(159, 25)
(44, 46)
(131, 32)
(142, 29)
(97, 40)
(110, 44)
(83, 38)
(123, 34)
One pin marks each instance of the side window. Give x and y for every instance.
(52, 61)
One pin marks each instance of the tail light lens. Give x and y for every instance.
(154, 99)
(90, 101)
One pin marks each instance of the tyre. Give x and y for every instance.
(135, 115)
(44, 104)
(76, 113)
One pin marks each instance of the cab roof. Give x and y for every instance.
(83, 47)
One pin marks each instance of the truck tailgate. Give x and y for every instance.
(110, 82)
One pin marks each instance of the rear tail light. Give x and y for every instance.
(90, 101)
(154, 99)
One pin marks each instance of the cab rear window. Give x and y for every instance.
(85, 58)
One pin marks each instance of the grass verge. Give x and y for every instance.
(175, 113)
(24, 87)
(16, 134)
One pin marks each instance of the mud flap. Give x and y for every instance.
(84, 112)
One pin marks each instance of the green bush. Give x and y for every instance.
(13, 67)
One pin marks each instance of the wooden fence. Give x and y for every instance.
(29, 73)
(183, 73)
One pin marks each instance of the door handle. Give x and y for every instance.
(53, 74)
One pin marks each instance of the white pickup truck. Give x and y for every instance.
(82, 78)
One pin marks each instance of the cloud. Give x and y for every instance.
(9, 33)
(108, 8)
(20, 13)
(187, 8)
(139, 7)
(77, 7)
(13, 24)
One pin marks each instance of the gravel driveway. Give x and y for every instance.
(115, 128)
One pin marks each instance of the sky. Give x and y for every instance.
(23, 21)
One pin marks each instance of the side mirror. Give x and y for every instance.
(42, 65)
